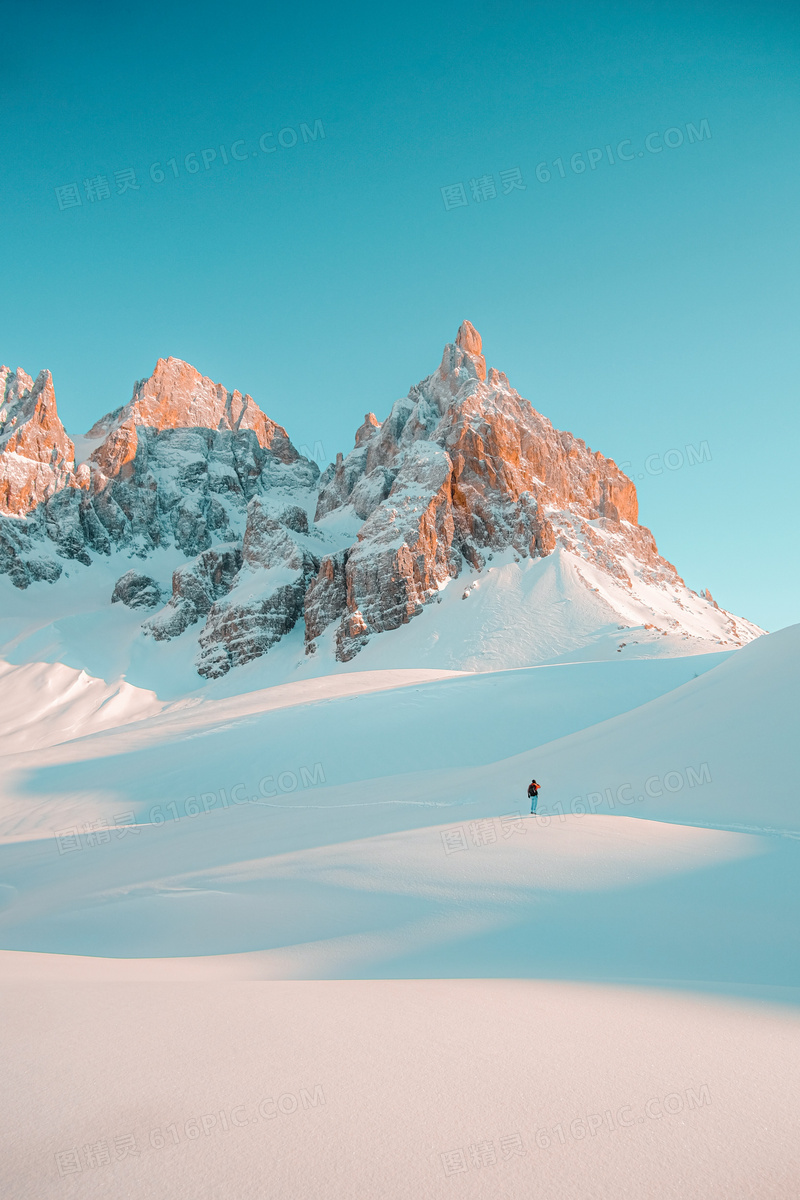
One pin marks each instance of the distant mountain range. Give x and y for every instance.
(227, 535)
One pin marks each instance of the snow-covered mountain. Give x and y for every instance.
(220, 534)
(335, 847)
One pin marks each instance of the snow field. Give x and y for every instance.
(400, 1088)
(389, 982)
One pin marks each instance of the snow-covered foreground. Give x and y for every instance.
(461, 1088)
(329, 730)
(300, 836)
(215, 850)
(43, 703)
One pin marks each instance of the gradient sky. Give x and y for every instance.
(645, 305)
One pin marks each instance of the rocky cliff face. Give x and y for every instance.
(176, 396)
(279, 558)
(180, 463)
(37, 477)
(175, 467)
(36, 456)
(461, 469)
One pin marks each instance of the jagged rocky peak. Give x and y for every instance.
(460, 468)
(36, 456)
(177, 465)
(177, 396)
(462, 360)
(15, 386)
(498, 447)
(365, 431)
(469, 340)
(180, 462)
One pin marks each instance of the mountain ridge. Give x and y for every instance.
(461, 470)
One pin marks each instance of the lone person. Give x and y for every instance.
(533, 792)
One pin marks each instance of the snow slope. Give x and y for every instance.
(340, 1090)
(740, 719)
(554, 609)
(346, 727)
(515, 614)
(424, 890)
(293, 864)
(45, 703)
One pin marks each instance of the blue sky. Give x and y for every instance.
(648, 305)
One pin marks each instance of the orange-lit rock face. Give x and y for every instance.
(180, 462)
(494, 474)
(365, 431)
(178, 466)
(469, 340)
(459, 470)
(36, 456)
(176, 396)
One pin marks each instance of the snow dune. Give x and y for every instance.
(408, 988)
(320, 854)
(739, 719)
(44, 703)
(341, 728)
(435, 1088)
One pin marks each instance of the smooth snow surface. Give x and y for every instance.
(45, 703)
(329, 833)
(341, 728)
(344, 1091)
(365, 909)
